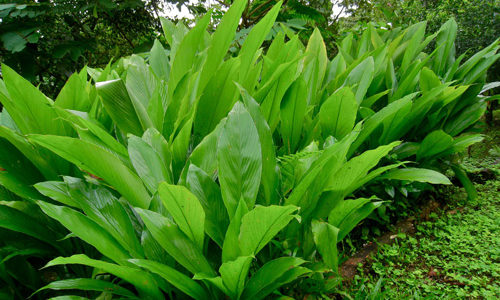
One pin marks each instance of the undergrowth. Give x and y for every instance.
(455, 252)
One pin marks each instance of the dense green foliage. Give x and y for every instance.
(478, 20)
(191, 172)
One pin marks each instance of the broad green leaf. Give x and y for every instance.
(99, 162)
(271, 276)
(271, 101)
(349, 178)
(74, 95)
(293, 110)
(186, 210)
(153, 250)
(261, 224)
(306, 193)
(31, 110)
(338, 113)
(157, 106)
(433, 144)
(468, 117)
(357, 168)
(463, 142)
(87, 284)
(221, 40)
(173, 33)
(87, 230)
(428, 80)
(58, 191)
(325, 238)
(160, 146)
(270, 178)
(221, 87)
(239, 159)
(209, 194)
(213, 280)
(417, 174)
(180, 145)
(473, 61)
(148, 163)
(141, 84)
(184, 57)
(417, 33)
(254, 40)
(231, 247)
(362, 75)
(204, 155)
(68, 297)
(119, 106)
(49, 164)
(17, 168)
(174, 277)
(143, 281)
(175, 242)
(15, 185)
(234, 274)
(445, 38)
(315, 64)
(158, 60)
(15, 220)
(100, 205)
(376, 120)
(368, 102)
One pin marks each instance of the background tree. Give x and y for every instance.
(47, 40)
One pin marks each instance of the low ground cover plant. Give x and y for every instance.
(190, 173)
(452, 254)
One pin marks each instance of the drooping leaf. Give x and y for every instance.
(99, 162)
(417, 174)
(143, 281)
(174, 277)
(87, 230)
(87, 284)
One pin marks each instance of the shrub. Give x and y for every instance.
(195, 174)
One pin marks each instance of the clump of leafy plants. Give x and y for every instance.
(191, 173)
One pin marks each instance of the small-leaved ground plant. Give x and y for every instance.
(189, 173)
(453, 254)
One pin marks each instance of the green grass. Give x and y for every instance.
(455, 253)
